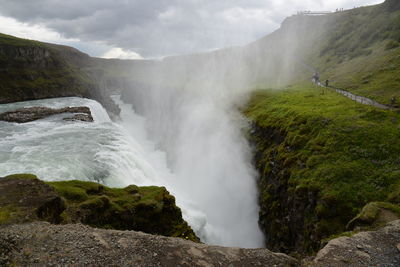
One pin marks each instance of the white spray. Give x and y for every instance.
(192, 114)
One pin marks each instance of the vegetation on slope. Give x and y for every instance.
(149, 209)
(321, 158)
(24, 198)
(359, 50)
(33, 70)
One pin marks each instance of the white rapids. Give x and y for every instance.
(113, 153)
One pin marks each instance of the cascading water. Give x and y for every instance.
(199, 127)
(189, 145)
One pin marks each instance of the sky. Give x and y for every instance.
(136, 29)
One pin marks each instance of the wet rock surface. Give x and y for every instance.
(80, 117)
(43, 244)
(35, 113)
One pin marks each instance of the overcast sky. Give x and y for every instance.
(153, 28)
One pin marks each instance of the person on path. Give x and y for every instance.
(393, 101)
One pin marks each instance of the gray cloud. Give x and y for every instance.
(164, 27)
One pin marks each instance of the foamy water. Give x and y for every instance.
(119, 154)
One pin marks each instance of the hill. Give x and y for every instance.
(322, 157)
(34, 70)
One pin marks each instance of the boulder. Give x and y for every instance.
(35, 113)
(375, 214)
(373, 248)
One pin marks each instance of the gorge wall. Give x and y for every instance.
(31, 70)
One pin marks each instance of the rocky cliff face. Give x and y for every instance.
(285, 213)
(33, 70)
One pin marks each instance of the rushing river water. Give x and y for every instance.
(121, 153)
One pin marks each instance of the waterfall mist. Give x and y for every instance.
(193, 115)
(191, 105)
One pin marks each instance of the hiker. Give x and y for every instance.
(393, 101)
(327, 83)
(316, 78)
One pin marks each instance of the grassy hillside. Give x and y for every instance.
(357, 49)
(361, 52)
(33, 70)
(321, 158)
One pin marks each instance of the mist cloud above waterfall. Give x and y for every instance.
(164, 27)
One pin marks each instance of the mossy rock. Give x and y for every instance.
(375, 214)
(149, 209)
(24, 198)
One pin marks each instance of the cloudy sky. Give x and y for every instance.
(153, 28)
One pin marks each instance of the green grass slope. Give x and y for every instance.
(34, 70)
(360, 51)
(357, 50)
(321, 158)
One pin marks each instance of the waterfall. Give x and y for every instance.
(201, 132)
(191, 145)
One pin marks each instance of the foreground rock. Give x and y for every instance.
(23, 198)
(151, 209)
(43, 244)
(374, 215)
(374, 248)
(35, 113)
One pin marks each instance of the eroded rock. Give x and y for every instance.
(79, 245)
(373, 248)
(375, 214)
(35, 113)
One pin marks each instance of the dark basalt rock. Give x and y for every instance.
(35, 113)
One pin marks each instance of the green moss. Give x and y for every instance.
(149, 209)
(324, 153)
(21, 176)
(8, 214)
(4, 215)
(375, 214)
